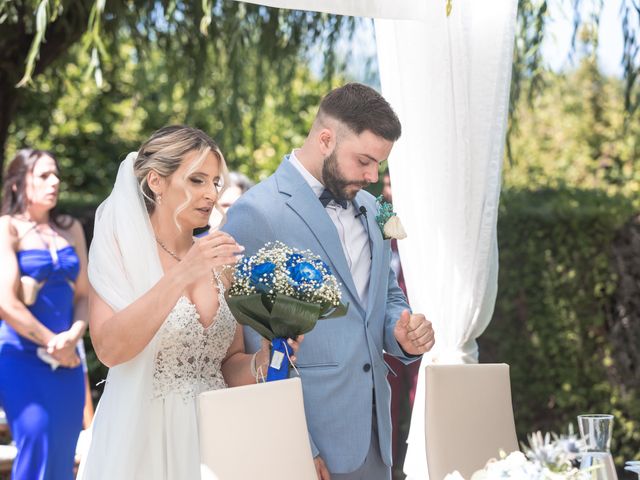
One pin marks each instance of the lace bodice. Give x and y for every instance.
(189, 355)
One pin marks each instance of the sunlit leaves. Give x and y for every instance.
(42, 20)
(575, 134)
(253, 116)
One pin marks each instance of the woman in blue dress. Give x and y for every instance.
(43, 307)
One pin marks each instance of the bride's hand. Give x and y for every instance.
(263, 355)
(214, 250)
(295, 346)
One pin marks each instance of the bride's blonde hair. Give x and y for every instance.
(164, 152)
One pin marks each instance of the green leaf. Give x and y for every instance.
(333, 312)
(206, 17)
(288, 318)
(41, 17)
(291, 317)
(34, 49)
(250, 311)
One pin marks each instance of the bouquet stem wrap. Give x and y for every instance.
(279, 363)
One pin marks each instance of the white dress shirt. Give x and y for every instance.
(352, 233)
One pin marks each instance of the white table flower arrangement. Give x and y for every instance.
(547, 457)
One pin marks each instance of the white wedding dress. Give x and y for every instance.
(187, 363)
(145, 426)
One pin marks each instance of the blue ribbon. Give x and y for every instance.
(279, 362)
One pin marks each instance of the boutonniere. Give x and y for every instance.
(388, 221)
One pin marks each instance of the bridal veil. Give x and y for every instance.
(123, 265)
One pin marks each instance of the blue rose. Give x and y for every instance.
(262, 276)
(305, 273)
(320, 264)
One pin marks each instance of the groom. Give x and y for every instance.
(315, 201)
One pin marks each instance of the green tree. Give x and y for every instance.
(90, 129)
(529, 71)
(237, 28)
(196, 42)
(576, 134)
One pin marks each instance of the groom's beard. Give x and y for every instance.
(335, 182)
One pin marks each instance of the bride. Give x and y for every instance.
(157, 313)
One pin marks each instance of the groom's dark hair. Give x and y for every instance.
(361, 108)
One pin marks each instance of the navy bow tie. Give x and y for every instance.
(327, 196)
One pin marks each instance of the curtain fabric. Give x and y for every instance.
(448, 79)
(396, 9)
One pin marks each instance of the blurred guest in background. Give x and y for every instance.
(403, 386)
(43, 307)
(238, 184)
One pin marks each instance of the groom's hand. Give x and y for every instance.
(321, 469)
(414, 333)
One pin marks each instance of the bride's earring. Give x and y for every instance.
(159, 198)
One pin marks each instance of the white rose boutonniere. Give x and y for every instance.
(394, 229)
(388, 221)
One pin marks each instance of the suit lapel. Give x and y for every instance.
(303, 201)
(376, 243)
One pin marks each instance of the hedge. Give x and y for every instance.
(557, 309)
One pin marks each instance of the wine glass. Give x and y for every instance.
(595, 430)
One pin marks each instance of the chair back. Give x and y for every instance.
(468, 417)
(255, 431)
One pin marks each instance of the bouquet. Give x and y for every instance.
(281, 292)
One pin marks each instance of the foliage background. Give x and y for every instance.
(566, 316)
(90, 129)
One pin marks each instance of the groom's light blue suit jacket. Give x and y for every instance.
(340, 362)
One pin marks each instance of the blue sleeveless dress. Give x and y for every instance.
(44, 407)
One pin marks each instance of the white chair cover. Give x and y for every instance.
(255, 431)
(468, 417)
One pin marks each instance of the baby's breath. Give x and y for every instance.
(272, 271)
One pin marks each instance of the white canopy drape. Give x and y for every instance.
(396, 9)
(448, 79)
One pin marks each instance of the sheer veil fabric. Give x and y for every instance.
(123, 265)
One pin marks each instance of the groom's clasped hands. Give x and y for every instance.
(414, 333)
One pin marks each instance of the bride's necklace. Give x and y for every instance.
(164, 247)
